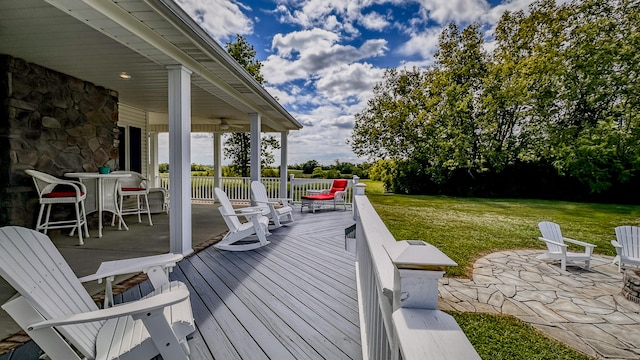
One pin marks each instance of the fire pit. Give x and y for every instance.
(631, 287)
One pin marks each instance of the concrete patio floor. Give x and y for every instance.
(140, 240)
(581, 308)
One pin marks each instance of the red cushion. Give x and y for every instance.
(319, 197)
(133, 189)
(339, 185)
(61, 194)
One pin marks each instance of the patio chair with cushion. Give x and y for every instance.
(627, 245)
(59, 315)
(242, 235)
(52, 190)
(275, 210)
(336, 195)
(557, 249)
(135, 186)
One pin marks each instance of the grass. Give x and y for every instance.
(499, 337)
(467, 228)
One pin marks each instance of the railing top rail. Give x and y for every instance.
(379, 238)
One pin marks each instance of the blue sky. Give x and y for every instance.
(322, 58)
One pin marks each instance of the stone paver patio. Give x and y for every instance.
(582, 308)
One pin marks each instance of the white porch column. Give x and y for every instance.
(256, 126)
(283, 164)
(180, 159)
(152, 168)
(217, 160)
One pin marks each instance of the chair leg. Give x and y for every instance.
(40, 213)
(79, 224)
(138, 208)
(120, 211)
(84, 219)
(46, 220)
(563, 264)
(146, 202)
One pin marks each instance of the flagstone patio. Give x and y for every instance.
(581, 308)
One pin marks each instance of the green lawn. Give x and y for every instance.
(466, 228)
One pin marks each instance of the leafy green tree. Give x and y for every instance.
(309, 166)
(559, 92)
(238, 145)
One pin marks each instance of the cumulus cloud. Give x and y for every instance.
(458, 11)
(222, 19)
(349, 81)
(307, 53)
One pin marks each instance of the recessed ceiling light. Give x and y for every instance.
(124, 76)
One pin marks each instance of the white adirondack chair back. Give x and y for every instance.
(232, 222)
(260, 195)
(629, 238)
(32, 265)
(552, 232)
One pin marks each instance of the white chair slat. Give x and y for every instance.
(48, 284)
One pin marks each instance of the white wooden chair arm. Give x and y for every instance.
(616, 244)
(553, 242)
(243, 214)
(587, 245)
(135, 265)
(268, 202)
(149, 304)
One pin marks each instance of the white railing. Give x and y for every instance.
(237, 188)
(299, 187)
(398, 295)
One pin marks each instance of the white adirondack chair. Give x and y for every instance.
(274, 210)
(56, 311)
(241, 236)
(557, 249)
(627, 245)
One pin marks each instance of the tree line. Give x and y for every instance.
(550, 112)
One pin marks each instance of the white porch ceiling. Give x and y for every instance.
(96, 40)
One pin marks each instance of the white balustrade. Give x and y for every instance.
(237, 188)
(398, 295)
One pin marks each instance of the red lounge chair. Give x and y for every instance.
(334, 195)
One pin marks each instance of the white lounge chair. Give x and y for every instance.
(274, 210)
(627, 245)
(56, 311)
(241, 236)
(557, 249)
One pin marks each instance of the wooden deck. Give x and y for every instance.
(293, 299)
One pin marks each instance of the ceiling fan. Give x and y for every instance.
(225, 123)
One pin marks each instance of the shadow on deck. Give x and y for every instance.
(293, 299)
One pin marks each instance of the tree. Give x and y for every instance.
(558, 97)
(238, 145)
(309, 166)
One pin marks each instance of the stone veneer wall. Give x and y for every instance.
(53, 123)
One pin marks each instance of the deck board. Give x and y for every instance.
(295, 298)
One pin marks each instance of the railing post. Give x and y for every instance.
(419, 266)
(359, 189)
(291, 188)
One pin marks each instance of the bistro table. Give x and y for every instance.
(102, 194)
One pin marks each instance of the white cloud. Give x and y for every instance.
(349, 81)
(423, 44)
(458, 11)
(373, 21)
(220, 18)
(308, 53)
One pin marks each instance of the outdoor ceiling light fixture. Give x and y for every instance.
(124, 76)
